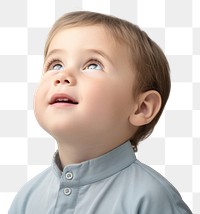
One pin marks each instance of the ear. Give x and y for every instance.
(147, 106)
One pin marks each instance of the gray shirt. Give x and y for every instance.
(115, 183)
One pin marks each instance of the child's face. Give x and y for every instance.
(87, 86)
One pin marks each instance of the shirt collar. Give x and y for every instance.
(99, 168)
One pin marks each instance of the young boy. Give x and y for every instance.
(104, 86)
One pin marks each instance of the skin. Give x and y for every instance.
(86, 64)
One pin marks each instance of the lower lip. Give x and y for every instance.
(63, 104)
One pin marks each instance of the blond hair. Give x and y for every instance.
(146, 56)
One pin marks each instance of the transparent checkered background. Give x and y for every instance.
(174, 147)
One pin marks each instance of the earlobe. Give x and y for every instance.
(146, 108)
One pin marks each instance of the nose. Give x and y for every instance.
(65, 79)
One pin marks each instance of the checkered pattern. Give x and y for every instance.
(174, 147)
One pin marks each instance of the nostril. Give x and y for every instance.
(57, 82)
(67, 81)
(62, 80)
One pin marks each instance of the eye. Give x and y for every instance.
(53, 65)
(93, 65)
(57, 67)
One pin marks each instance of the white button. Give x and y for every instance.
(67, 191)
(69, 175)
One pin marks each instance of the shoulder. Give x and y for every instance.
(155, 192)
(36, 181)
(28, 190)
(152, 179)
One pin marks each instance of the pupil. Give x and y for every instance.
(92, 66)
(57, 67)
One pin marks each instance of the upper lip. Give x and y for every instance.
(59, 96)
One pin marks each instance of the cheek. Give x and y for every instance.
(41, 90)
(39, 100)
(109, 99)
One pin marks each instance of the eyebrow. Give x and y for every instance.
(95, 51)
(101, 53)
(54, 51)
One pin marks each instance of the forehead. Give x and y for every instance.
(97, 37)
(98, 33)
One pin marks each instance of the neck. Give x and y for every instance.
(77, 152)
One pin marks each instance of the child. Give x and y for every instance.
(104, 86)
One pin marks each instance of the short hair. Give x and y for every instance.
(146, 57)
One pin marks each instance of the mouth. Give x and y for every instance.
(62, 99)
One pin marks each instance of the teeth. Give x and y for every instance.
(62, 100)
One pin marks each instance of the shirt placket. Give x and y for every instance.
(68, 193)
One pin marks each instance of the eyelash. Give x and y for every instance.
(51, 62)
(93, 61)
(55, 61)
